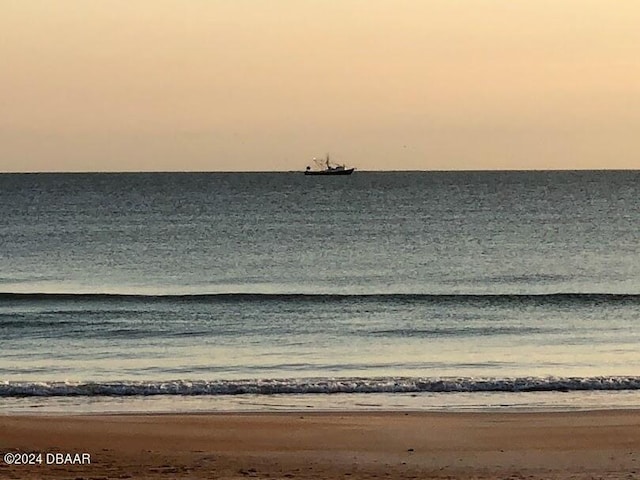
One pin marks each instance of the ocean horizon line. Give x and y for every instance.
(301, 170)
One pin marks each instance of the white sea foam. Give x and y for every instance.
(319, 386)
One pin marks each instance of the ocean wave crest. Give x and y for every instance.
(317, 386)
(560, 297)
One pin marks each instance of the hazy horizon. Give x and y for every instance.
(410, 85)
(479, 170)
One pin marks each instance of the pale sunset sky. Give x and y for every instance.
(226, 85)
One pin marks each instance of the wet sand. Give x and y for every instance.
(550, 445)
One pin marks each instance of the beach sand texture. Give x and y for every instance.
(553, 445)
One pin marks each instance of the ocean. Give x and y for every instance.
(276, 291)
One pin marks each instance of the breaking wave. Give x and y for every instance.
(318, 386)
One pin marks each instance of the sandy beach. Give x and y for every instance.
(595, 444)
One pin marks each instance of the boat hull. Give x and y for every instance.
(346, 171)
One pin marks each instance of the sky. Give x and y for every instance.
(266, 85)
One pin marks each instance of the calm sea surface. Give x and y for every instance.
(264, 291)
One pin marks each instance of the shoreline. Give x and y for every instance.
(487, 402)
(358, 444)
(508, 410)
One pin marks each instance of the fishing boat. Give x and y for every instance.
(325, 167)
